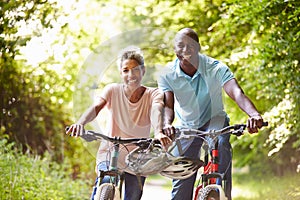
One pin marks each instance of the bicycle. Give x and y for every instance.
(148, 158)
(209, 189)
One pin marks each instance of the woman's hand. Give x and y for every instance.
(75, 130)
(164, 140)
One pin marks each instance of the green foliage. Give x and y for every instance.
(26, 176)
(29, 106)
(268, 54)
(39, 64)
(258, 39)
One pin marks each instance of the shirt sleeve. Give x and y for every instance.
(224, 73)
(107, 92)
(162, 81)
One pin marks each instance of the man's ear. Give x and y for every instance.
(199, 47)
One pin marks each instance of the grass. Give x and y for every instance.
(34, 178)
(249, 187)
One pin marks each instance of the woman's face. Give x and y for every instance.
(132, 73)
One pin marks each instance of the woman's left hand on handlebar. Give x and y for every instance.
(75, 130)
(254, 123)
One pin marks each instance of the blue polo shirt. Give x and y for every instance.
(197, 98)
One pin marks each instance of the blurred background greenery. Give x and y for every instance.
(46, 81)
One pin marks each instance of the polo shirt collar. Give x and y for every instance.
(180, 73)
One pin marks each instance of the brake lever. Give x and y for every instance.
(89, 137)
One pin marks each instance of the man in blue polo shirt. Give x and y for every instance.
(192, 88)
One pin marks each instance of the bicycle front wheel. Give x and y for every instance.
(208, 194)
(106, 191)
(211, 192)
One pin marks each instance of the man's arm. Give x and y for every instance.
(235, 92)
(169, 114)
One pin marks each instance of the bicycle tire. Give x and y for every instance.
(106, 191)
(208, 194)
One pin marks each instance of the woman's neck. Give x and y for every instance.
(134, 94)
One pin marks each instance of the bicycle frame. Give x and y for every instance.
(210, 172)
(113, 171)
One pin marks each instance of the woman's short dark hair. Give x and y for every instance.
(131, 52)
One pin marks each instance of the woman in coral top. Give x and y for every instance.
(133, 109)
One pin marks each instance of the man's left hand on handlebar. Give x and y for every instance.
(75, 130)
(254, 123)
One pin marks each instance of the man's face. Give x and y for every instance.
(186, 48)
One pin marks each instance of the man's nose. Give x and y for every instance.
(186, 48)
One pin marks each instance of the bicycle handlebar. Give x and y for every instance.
(236, 129)
(89, 136)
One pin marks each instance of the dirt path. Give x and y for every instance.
(155, 190)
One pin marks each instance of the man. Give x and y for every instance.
(193, 91)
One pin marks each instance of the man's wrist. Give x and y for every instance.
(254, 115)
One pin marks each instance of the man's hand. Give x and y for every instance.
(169, 131)
(254, 123)
(75, 130)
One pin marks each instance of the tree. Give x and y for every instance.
(26, 104)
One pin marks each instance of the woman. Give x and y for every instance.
(133, 108)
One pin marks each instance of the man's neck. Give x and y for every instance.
(189, 68)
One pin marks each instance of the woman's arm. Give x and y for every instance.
(89, 115)
(157, 119)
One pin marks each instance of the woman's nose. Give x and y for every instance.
(130, 72)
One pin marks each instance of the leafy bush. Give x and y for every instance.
(35, 177)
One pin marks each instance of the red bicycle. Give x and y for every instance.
(207, 187)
